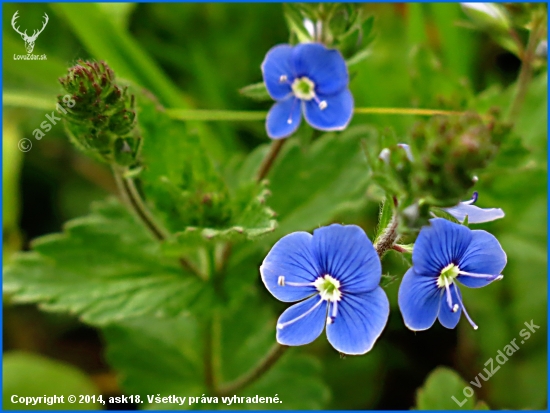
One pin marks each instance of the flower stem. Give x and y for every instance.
(132, 197)
(267, 163)
(207, 115)
(405, 111)
(526, 71)
(255, 373)
(215, 115)
(390, 236)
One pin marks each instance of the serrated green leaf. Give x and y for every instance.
(439, 389)
(256, 91)
(103, 267)
(32, 375)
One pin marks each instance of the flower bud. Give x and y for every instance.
(487, 15)
(102, 121)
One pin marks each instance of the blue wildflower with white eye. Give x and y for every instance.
(475, 214)
(336, 272)
(443, 254)
(308, 78)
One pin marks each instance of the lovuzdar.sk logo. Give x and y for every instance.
(29, 40)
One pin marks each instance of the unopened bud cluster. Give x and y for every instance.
(438, 167)
(448, 152)
(103, 120)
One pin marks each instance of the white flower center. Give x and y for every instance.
(329, 288)
(447, 275)
(303, 88)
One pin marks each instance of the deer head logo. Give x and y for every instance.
(29, 40)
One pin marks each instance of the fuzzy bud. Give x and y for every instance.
(102, 122)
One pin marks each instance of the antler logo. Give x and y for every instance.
(29, 40)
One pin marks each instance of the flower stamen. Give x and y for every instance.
(281, 281)
(474, 325)
(280, 326)
(486, 276)
(452, 307)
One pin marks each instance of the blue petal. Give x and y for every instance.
(326, 67)
(292, 258)
(475, 214)
(279, 116)
(335, 116)
(277, 63)
(438, 245)
(346, 253)
(446, 317)
(418, 300)
(359, 321)
(307, 328)
(483, 256)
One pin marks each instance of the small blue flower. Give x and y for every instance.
(336, 272)
(446, 252)
(309, 78)
(475, 214)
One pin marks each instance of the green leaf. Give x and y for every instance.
(103, 267)
(187, 193)
(439, 389)
(174, 361)
(176, 350)
(31, 375)
(308, 199)
(440, 213)
(256, 91)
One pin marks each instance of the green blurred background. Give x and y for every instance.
(199, 56)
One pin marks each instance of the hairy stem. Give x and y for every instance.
(255, 373)
(526, 71)
(267, 163)
(132, 197)
(389, 237)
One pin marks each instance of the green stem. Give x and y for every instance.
(255, 373)
(17, 99)
(389, 237)
(215, 115)
(132, 197)
(526, 71)
(241, 115)
(267, 163)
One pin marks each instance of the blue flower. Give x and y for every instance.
(336, 272)
(475, 214)
(309, 78)
(446, 252)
